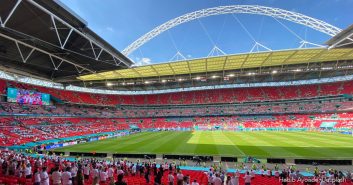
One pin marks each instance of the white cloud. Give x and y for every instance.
(146, 60)
(109, 29)
(142, 61)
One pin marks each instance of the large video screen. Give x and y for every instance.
(23, 96)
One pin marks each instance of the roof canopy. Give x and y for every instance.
(45, 39)
(227, 63)
(342, 39)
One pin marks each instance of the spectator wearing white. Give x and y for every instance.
(28, 171)
(95, 173)
(195, 182)
(170, 178)
(252, 174)
(44, 177)
(235, 179)
(292, 175)
(323, 181)
(276, 173)
(247, 178)
(36, 177)
(237, 173)
(103, 176)
(111, 173)
(133, 169)
(120, 171)
(216, 180)
(268, 172)
(66, 177)
(86, 171)
(297, 174)
(56, 176)
(180, 178)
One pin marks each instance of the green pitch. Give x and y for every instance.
(258, 144)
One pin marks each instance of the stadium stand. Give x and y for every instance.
(237, 95)
(88, 171)
(309, 100)
(20, 130)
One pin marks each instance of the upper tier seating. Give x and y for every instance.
(58, 110)
(235, 95)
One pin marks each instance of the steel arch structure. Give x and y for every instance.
(298, 18)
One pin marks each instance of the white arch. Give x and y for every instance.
(239, 9)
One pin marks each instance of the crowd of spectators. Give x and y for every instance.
(19, 168)
(56, 170)
(236, 95)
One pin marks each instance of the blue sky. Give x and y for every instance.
(121, 22)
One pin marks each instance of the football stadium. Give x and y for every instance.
(211, 93)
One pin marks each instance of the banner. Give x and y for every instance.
(48, 147)
(93, 139)
(23, 96)
(70, 143)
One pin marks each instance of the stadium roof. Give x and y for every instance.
(45, 39)
(227, 63)
(342, 39)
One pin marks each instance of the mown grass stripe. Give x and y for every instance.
(244, 144)
(302, 145)
(274, 149)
